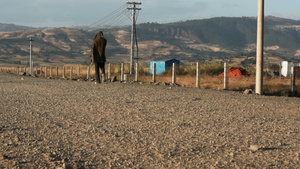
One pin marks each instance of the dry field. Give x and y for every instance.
(272, 86)
(55, 123)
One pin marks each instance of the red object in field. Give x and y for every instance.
(235, 72)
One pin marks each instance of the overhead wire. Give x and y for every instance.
(117, 19)
(137, 15)
(123, 19)
(109, 16)
(114, 19)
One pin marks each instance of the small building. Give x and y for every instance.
(163, 65)
(286, 67)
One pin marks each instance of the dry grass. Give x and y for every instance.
(279, 87)
(272, 86)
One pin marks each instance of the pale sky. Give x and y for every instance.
(65, 13)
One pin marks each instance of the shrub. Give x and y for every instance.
(211, 69)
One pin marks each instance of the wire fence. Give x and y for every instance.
(120, 73)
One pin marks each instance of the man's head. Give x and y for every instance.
(100, 33)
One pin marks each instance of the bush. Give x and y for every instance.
(274, 67)
(181, 70)
(211, 69)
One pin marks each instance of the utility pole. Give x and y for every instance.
(260, 49)
(133, 32)
(30, 60)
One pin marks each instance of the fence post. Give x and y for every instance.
(56, 72)
(102, 77)
(17, 70)
(225, 76)
(71, 72)
(280, 70)
(41, 71)
(36, 70)
(136, 72)
(293, 81)
(154, 72)
(50, 72)
(25, 70)
(64, 72)
(109, 72)
(122, 72)
(173, 74)
(198, 75)
(88, 73)
(78, 72)
(45, 71)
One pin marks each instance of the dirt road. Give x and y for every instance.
(46, 123)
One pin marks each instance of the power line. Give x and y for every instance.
(109, 16)
(114, 19)
(117, 19)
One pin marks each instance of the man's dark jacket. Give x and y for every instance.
(98, 48)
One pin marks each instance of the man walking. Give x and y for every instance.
(98, 55)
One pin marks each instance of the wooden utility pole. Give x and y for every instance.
(260, 49)
(133, 32)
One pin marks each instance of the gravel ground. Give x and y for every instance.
(46, 123)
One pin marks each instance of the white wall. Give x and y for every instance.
(286, 67)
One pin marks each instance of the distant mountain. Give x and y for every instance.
(194, 40)
(231, 35)
(12, 27)
(52, 46)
